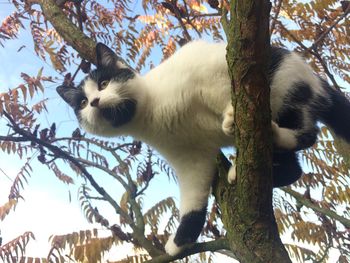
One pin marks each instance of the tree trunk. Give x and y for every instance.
(246, 208)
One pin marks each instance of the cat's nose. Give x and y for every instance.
(94, 102)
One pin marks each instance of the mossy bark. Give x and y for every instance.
(68, 31)
(246, 208)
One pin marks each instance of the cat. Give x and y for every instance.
(183, 109)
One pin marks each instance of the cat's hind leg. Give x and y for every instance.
(293, 139)
(195, 177)
(284, 138)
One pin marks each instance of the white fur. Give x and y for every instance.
(283, 137)
(293, 69)
(171, 248)
(229, 119)
(184, 111)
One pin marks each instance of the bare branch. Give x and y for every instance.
(177, 13)
(65, 155)
(316, 208)
(325, 33)
(138, 229)
(74, 37)
(278, 9)
(192, 249)
(312, 52)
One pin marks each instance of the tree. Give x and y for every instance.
(318, 29)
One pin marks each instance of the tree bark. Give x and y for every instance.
(83, 44)
(246, 208)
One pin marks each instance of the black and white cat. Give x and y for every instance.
(183, 109)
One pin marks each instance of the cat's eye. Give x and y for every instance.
(104, 84)
(83, 103)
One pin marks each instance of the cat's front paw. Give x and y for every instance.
(171, 248)
(231, 175)
(227, 124)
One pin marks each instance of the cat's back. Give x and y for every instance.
(291, 77)
(196, 58)
(200, 50)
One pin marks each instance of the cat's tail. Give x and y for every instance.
(337, 115)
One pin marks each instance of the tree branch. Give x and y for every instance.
(278, 10)
(192, 249)
(325, 33)
(312, 52)
(172, 7)
(65, 155)
(105, 169)
(316, 208)
(137, 232)
(74, 37)
(246, 208)
(224, 19)
(13, 139)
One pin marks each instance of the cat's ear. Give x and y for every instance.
(107, 58)
(68, 94)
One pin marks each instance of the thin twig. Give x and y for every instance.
(106, 170)
(138, 231)
(316, 208)
(189, 21)
(325, 33)
(206, 15)
(192, 249)
(224, 19)
(312, 52)
(178, 16)
(65, 155)
(278, 10)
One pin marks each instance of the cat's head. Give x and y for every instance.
(105, 100)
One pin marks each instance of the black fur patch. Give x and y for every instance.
(291, 118)
(301, 94)
(291, 115)
(277, 55)
(121, 114)
(72, 95)
(337, 114)
(115, 74)
(307, 139)
(286, 168)
(190, 227)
